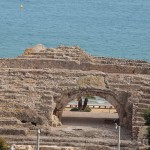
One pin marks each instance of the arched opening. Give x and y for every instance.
(94, 111)
(118, 99)
(105, 121)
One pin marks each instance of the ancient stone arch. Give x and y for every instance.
(107, 94)
(32, 84)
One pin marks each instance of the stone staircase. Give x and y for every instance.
(18, 133)
(124, 62)
(69, 54)
(74, 53)
(12, 126)
(30, 82)
(70, 142)
(139, 84)
(144, 103)
(60, 53)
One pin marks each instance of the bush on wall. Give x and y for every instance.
(148, 135)
(3, 144)
(147, 122)
(147, 116)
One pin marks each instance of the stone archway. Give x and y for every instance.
(116, 98)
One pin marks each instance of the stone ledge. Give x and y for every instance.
(29, 147)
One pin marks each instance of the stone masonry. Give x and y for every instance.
(44, 79)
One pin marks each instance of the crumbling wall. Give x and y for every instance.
(34, 84)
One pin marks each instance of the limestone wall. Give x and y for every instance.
(72, 65)
(36, 83)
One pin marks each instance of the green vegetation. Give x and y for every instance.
(74, 109)
(148, 135)
(147, 119)
(87, 109)
(3, 144)
(147, 116)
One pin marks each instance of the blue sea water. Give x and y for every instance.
(111, 28)
(98, 101)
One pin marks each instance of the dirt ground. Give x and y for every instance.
(99, 110)
(96, 123)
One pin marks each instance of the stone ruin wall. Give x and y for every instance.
(40, 80)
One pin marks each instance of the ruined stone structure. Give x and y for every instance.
(44, 79)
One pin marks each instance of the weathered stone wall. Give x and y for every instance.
(40, 63)
(36, 83)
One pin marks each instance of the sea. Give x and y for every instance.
(109, 28)
(95, 101)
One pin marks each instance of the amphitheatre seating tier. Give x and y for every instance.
(71, 65)
(50, 82)
(75, 142)
(44, 79)
(77, 54)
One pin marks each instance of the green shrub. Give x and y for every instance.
(147, 116)
(148, 135)
(74, 109)
(3, 144)
(87, 109)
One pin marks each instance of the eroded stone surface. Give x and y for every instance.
(36, 49)
(91, 80)
(42, 81)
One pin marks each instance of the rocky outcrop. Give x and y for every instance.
(36, 49)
